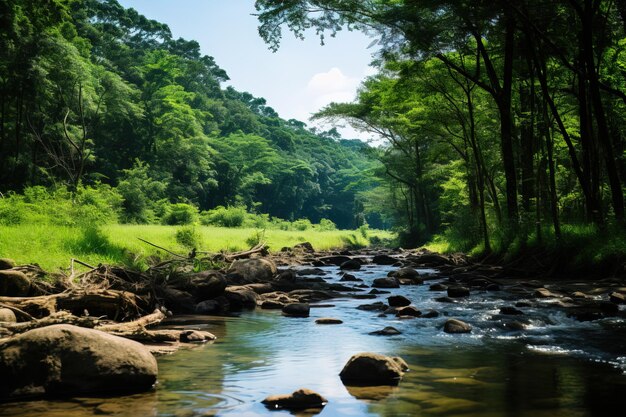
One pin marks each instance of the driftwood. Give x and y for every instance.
(117, 305)
(61, 317)
(134, 325)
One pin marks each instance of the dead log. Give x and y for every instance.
(116, 305)
(135, 325)
(61, 317)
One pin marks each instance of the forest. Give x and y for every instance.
(96, 99)
(501, 125)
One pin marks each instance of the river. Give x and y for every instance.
(555, 367)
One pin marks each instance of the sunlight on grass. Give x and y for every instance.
(52, 247)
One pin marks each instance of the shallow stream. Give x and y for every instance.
(555, 367)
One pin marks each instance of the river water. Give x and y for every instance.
(555, 367)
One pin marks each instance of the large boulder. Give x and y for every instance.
(206, 285)
(253, 270)
(373, 369)
(69, 360)
(298, 400)
(14, 284)
(241, 297)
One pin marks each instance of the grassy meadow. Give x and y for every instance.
(53, 246)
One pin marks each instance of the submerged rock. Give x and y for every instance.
(69, 360)
(456, 326)
(328, 320)
(196, 336)
(408, 311)
(511, 311)
(387, 331)
(377, 306)
(430, 314)
(437, 287)
(373, 369)
(298, 400)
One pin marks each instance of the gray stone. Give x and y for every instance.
(69, 360)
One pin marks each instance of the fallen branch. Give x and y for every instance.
(134, 325)
(61, 317)
(162, 248)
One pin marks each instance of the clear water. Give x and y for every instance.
(556, 367)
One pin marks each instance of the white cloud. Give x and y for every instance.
(331, 82)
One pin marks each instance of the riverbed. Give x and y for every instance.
(554, 366)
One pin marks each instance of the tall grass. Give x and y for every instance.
(52, 246)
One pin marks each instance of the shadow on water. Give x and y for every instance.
(557, 367)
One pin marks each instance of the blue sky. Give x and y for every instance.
(301, 78)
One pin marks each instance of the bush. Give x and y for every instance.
(224, 216)
(188, 237)
(256, 238)
(327, 225)
(180, 214)
(301, 224)
(88, 206)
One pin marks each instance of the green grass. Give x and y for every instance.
(52, 247)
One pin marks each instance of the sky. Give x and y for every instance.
(297, 80)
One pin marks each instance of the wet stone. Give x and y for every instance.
(328, 320)
(297, 310)
(298, 400)
(398, 301)
(511, 311)
(387, 331)
(458, 292)
(378, 306)
(408, 311)
(455, 326)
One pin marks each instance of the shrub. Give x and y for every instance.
(180, 213)
(327, 225)
(188, 237)
(224, 216)
(256, 238)
(301, 224)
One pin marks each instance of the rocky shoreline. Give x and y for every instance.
(54, 335)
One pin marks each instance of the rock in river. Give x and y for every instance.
(298, 400)
(387, 331)
(457, 292)
(297, 310)
(328, 320)
(388, 282)
(69, 360)
(398, 301)
(373, 369)
(456, 326)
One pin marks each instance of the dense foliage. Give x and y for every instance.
(93, 94)
(503, 119)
